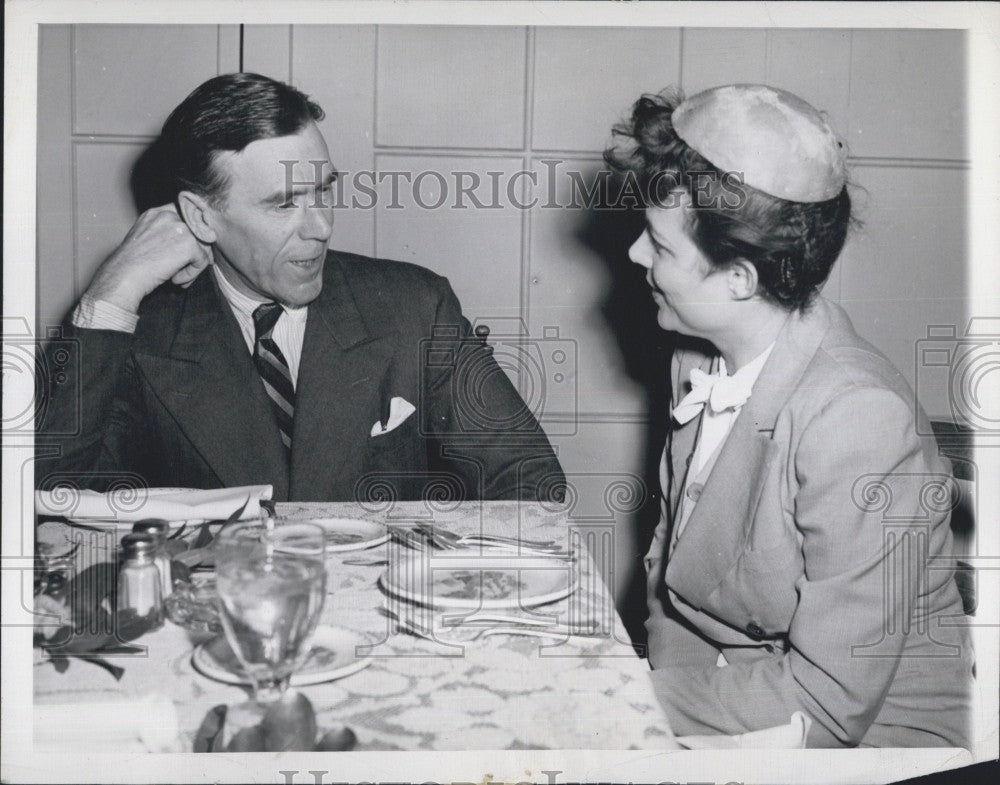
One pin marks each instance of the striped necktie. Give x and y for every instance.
(273, 369)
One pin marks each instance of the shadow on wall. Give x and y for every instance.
(645, 348)
(150, 183)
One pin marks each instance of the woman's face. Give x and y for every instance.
(691, 297)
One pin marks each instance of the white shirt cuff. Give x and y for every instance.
(93, 314)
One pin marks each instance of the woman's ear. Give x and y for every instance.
(197, 214)
(742, 279)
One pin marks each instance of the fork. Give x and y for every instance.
(445, 540)
(465, 634)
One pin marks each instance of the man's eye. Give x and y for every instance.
(325, 196)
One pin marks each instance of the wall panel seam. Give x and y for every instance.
(909, 163)
(528, 126)
(375, 150)
(680, 58)
(72, 174)
(530, 43)
(72, 79)
(76, 223)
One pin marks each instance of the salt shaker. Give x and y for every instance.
(139, 579)
(161, 558)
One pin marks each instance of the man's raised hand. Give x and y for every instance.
(158, 248)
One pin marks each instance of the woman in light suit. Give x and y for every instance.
(800, 565)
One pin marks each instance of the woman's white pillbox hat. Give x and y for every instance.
(777, 142)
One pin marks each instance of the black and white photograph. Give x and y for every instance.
(500, 392)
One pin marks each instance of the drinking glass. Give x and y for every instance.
(271, 582)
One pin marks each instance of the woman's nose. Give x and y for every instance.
(639, 251)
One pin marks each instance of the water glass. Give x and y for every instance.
(271, 582)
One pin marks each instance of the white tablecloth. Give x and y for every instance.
(500, 692)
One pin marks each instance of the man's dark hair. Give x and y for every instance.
(792, 245)
(227, 113)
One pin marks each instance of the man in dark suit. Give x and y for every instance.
(330, 376)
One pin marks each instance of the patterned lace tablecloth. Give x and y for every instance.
(499, 692)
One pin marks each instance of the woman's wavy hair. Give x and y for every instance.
(792, 245)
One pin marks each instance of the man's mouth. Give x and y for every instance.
(306, 263)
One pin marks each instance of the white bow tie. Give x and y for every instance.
(719, 392)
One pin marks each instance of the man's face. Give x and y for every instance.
(274, 222)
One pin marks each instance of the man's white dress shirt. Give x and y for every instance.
(289, 331)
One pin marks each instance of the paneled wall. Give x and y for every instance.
(103, 93)
(502, 102)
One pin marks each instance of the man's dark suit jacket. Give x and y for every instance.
(180, 403)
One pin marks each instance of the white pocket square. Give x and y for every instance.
(399, 410)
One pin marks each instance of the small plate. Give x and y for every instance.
(333, 656)
(351, 534)
(52, 540)
(474, 582)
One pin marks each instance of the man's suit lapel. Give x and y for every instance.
(340, 375)
(210, 386)
(715, 533)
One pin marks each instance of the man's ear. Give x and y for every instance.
(741, 278)
(197, 214)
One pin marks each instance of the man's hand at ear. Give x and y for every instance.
(158, 248)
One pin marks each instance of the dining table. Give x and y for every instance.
(499, 691)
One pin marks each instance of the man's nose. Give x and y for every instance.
(639, 251)
(317, 224)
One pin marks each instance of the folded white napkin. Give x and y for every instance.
(142, 723)
(783, 737)
(399, 410)
(170, 504)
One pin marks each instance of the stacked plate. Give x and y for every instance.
(487, 580)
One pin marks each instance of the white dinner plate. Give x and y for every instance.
(333, 656)
(351, 534)
(481, 581)
(126, 526)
